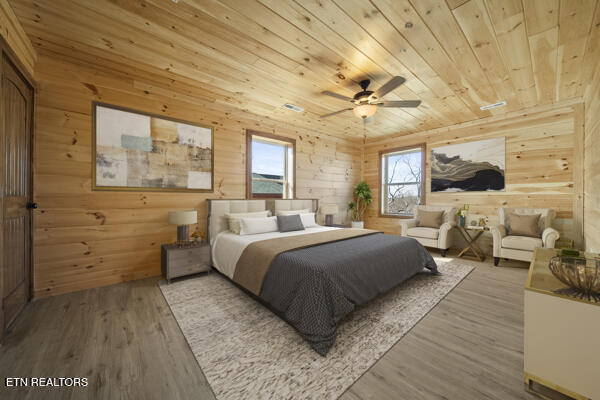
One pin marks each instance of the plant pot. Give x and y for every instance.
(463, 220)
(358, 224)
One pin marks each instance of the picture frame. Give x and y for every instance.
(138, 151)
(471, 166)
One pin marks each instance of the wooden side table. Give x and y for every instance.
(181, 261)
(472, 246)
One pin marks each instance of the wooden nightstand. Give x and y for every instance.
(181, 261)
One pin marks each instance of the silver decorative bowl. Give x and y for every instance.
(581, 274)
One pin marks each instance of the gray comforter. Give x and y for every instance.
(314, 288)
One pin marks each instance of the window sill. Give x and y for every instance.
(266, 197)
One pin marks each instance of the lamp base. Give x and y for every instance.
(183, 235)
(328, 219)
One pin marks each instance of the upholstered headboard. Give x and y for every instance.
(295, 204)
(217, 223)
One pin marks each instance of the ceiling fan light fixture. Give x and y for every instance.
(365, 100)
(365, 111)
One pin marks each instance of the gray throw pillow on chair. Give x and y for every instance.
(289, 223)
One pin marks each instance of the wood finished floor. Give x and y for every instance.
(124, 339)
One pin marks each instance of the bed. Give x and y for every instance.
(311, 278)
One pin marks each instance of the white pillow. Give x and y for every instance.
(292, 212)
(233, 219)
(252, 226)
(308, 220)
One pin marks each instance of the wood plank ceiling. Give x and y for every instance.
(257, 55)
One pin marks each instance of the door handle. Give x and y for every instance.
(31, 206)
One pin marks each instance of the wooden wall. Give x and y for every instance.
(86, 239)
(540, 163)
(592, 165)
(12, 31)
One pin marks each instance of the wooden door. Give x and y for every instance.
(16, 115)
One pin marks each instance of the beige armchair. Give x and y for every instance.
(432, 237)
(522, 247)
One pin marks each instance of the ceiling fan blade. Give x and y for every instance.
(335, 113)
(400, 103)
(389, 86)
(337, 96)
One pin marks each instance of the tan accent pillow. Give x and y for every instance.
(524, 225)
(430, 219)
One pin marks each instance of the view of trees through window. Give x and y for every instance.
(401, 181)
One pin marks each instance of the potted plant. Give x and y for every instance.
(362, 199)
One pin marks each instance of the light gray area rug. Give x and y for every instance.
(247, 352)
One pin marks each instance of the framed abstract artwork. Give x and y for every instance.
(469, 167)
(137, 151)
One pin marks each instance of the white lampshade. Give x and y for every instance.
(329, 209)
(365, 111)
(183, 217)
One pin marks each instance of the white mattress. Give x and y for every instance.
(228, 247)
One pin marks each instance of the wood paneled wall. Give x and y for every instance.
(86, 239)
(592, 165)
(540, 164)
(12, 31)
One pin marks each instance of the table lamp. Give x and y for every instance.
(329, 210)
(183, 220)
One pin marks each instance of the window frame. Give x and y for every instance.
(268, 137)
(382, 153)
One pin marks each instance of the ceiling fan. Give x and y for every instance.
(367, 101)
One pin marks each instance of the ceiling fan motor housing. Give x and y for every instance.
(365, 95)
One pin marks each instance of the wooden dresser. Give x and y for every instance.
(181, 261)
(561, 335)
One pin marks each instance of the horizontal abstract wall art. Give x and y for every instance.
(469, 167)
(138, 151)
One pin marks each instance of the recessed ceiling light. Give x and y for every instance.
(499, 104)
(293, 107)
(175, 1)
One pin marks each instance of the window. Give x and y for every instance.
(402, 177)
(270, 166)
